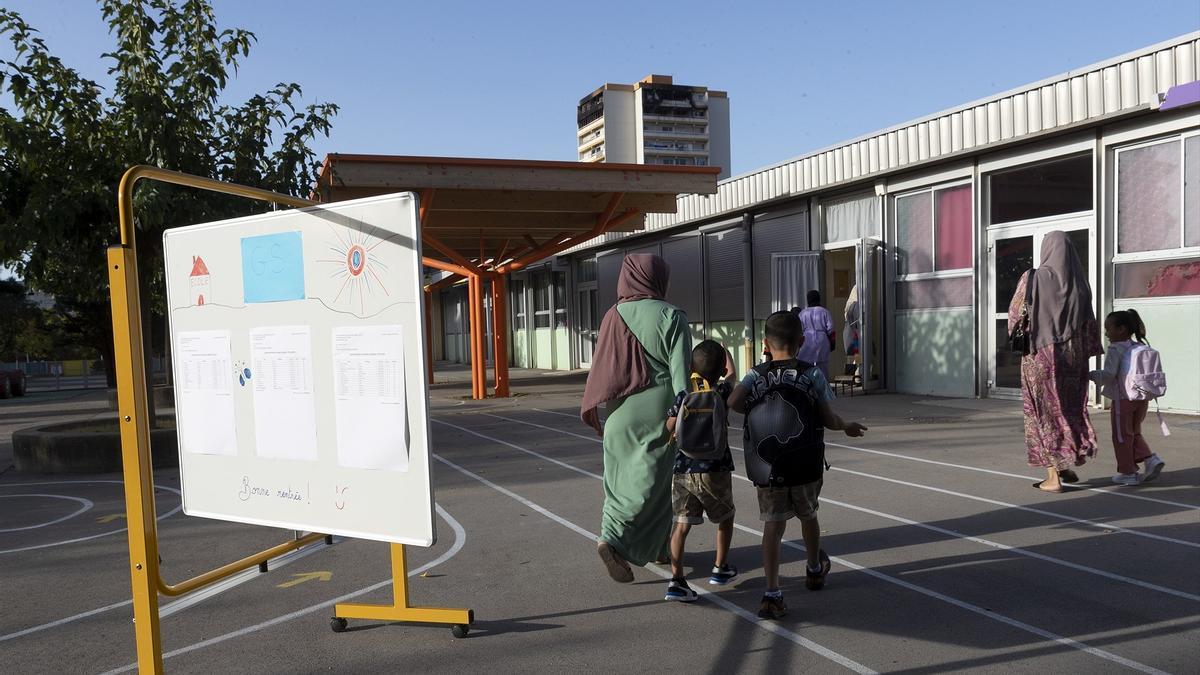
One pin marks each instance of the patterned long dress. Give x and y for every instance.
(638, 451)
(1054, 388)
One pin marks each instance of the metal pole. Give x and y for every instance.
(748, 289)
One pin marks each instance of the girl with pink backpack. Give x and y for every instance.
(1131, 377)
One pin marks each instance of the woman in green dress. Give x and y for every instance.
(641, 361)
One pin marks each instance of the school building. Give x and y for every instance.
(929, 224)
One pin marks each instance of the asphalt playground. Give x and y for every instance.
(944, 559)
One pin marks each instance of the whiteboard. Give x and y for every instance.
(298, 353)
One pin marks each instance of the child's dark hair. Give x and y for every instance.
(782, 331)
(708, 360)
(1129, 320)
(814, 298)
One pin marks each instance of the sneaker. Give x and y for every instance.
(815, 581)
(1127, 479)
(772, 608)
(722, 575)
(1152, 467)
(679, 590)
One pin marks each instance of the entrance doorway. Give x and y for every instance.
(853, 279)
(1013, 250)
(589, 324)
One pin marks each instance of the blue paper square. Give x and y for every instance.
(273, 267)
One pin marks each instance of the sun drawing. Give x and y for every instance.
(354, 264)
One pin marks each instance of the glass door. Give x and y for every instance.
(1012, 251)
(589, 325)
(868, 282)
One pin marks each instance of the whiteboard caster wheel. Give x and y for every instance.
(460, 630)
(337, 624)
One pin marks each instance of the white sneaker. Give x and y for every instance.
(1151, 468)
(1127, 479)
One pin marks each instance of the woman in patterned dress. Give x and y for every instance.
(1064, 335)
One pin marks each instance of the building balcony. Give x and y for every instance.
(671, 152)
(595, 124)
(688, 117)
(682, 131)
(590, 141)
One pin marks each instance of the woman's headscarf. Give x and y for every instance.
(619, 366)
(1061, 299)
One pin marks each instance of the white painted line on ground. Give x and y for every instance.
(460, 539)
(87, 505)
(69, 619)
(958, 535)
(168, 514)
(1074, 644)
(741, 613)
(1081, 521)
(185, 602)
(1116, 492)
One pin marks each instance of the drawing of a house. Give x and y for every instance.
(199, 281)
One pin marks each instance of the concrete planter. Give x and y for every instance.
(164, 397)
(79, 447)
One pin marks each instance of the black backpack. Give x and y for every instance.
(701, 427)
(784, 435)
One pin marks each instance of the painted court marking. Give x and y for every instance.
(1116, 492)
(87, 505)
(168, 514)
(1065, 641)
(188, 600)
(941, 530)
(460, 540)
(712, 597)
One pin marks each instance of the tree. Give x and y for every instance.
(23, 329)
(64, 147)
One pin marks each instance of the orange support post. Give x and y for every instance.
(471, 327)
(478, 329)
(500, 334)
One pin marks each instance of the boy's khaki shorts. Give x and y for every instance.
(694, 494)
(782, 503)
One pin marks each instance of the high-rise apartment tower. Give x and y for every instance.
(655, 122)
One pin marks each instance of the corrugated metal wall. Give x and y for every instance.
(1124, 84)
(687, 283)
(608, 268)
(723, 268)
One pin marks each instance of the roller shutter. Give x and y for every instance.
(786, 233)
(723, 268)
(687, 284)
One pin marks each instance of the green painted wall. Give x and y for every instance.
(543, 342)
(520, 348)
(1172, 329)
(729, 333)
(562, 349)
(935, 352)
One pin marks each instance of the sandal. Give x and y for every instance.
(617, 568)
(1038, 486)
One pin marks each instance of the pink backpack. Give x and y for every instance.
(1145, 379)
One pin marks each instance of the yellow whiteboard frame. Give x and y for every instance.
(136, 462)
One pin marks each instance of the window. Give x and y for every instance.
(560, 299)
(933, 231)
(1158, 196)
(1039, 190)
(541, 300)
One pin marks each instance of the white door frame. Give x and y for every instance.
(1036, 229)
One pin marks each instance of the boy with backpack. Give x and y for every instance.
(787, 408)
(703, 475)
(1132, 375)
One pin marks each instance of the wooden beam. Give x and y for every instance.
(525, 201)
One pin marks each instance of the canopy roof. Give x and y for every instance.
(501, 214)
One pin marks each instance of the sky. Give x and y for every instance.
(502, 79)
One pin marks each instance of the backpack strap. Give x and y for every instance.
(699, 384)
